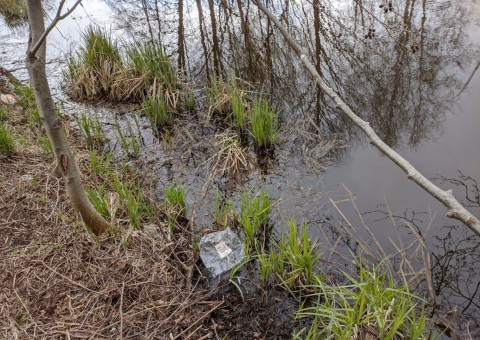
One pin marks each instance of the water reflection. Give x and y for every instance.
(400, 69)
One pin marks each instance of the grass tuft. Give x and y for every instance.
(264, 126)
(7, 145)
(254, 218)
(175, 203)
(370, 304)
(91, 130)
(157, 112)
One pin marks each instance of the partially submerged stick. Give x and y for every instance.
(456, 210)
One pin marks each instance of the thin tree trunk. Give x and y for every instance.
(66, 163)
(456, 210)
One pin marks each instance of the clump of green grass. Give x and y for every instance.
(218, 98)
(26, 99)
(92, 71)
(98, 197)
(175, 203)
(369, 304)
(99, 70)
(254, 218)
(187, 99)
(150, 62)
(7, 145)
(133, 200)
(263, 124)
(238, 109)
(299, 255)
(128, 140)
(4, 114)
(99, 163)
(91, 130)
(157, 112)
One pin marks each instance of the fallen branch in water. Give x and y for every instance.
(456, 210)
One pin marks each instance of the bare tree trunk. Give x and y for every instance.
(456, 210)
(66, 163)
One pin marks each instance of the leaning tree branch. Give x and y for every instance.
(56, 19)
(456, 210)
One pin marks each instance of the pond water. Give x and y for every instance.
(407, 79)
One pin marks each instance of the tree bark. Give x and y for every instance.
(66, 163)
(456, 210)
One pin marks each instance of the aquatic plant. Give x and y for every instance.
(218, 98)
(91, 130)
(254, 218)
(370, 303)
(231, 158)
(157, 112)
(130, 193)
(299, 254)
(238, 108)
(263, 124)
(6, 140)
(187, 99)
(149, 61)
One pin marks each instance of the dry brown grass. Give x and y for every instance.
(57, 282)
(231, 158)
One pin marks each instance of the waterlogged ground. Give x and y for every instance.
(416, 100)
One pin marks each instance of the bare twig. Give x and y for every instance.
(56, 19)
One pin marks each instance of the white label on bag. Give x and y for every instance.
(222, 249)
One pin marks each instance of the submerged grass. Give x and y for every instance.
(369, 305)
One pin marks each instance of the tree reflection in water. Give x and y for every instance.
(400, 69)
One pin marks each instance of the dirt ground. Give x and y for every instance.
(58, 282)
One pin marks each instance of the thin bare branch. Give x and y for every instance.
(56, 19)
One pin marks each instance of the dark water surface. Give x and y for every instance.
(408, 81)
